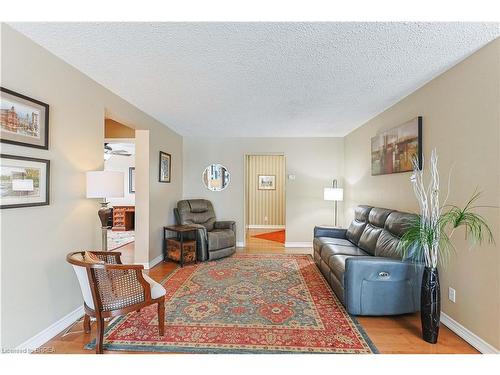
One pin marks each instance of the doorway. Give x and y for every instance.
(265, 201)
(119, 155)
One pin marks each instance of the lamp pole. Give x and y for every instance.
(334, 185)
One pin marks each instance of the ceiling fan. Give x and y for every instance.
(108, 150)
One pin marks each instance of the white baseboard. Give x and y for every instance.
(53, 330)
(240, 244)
(155, 261)
(298, 244)
(467, 335)
(265, 226)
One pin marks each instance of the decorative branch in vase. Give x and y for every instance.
(428, 239)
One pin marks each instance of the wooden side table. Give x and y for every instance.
(180, 230)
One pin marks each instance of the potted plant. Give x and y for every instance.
(427, 240)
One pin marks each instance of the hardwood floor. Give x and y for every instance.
(393, 334)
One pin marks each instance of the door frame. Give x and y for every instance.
(245, 186)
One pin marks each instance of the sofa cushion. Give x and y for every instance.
(318, 242)
(337, 266)
(368, 240)
(329, 250)
(221, 239)
(397, 222)
(387, 245)
(357, 226)
(378, 216)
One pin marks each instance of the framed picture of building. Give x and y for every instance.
(24, 182)
(165, 168)
(393, 150)
(23, 121)
(267, 182)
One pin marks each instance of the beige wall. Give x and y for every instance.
(122, 164)
(38, 286)
(460, 112)
(313, 161)
(265, 207)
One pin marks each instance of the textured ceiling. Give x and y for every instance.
(262, 79)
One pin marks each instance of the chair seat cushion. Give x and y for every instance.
(157, 290)
(330, 250)
(337, 265)
(221, 239)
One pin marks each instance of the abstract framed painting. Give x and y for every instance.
(393, 150)
(24, 121)
(165, 167)
(24, 181)
(267, 182)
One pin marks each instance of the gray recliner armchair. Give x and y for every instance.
(214, 239)
(363, 264)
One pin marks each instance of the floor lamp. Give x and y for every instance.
(334, 194)
(104, 185)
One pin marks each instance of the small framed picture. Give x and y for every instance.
(165, 168)
(23, 121)
(24, 182)
(131, 180)
(267, 182)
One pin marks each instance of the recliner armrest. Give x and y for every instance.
(388, 278)
(226, 224)
(325, 231)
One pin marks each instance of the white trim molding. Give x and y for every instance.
(155, 261)
(298, 244)
(53, 330)
(476, 341)
(266, 227)
(240, 244)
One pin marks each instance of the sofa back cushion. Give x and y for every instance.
(358, 225)
(387, 245)
(375, 225)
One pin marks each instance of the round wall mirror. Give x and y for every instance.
(216, 177)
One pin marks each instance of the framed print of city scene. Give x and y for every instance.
(23, 121)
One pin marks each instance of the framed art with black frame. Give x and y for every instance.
(24, 181)
(165, 167)
(24, 121)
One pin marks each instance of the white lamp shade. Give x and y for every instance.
(333, 194)
(22, 185)
(104, 184)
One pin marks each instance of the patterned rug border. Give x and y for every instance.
(193, 350)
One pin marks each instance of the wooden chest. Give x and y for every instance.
(174, 250)
(123, 218)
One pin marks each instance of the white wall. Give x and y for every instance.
(121, 163)
(38, 286)
(313, 161)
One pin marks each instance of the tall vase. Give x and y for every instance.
(430, 305)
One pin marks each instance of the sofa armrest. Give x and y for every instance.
(381, 286)
(227, 224)
(325, 231)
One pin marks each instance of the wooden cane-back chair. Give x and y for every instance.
(110, 289)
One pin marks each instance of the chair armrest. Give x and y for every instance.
(324, 231)
(385, 285)
(227, 224)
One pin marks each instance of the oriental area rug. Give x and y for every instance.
(247, 303)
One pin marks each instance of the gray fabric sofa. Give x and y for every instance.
(214, 239)
(363, 266)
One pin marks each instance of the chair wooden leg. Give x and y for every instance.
(86, 323)
(161, 316)
(100, 336)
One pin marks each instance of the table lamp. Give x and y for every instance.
(334, 194)
(104, 185)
